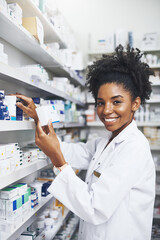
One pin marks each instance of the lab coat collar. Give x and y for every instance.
(132, 127)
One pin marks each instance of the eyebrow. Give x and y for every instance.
(111, 97)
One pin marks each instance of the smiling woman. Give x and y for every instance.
(117, 198)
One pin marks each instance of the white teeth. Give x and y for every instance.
(109, 119)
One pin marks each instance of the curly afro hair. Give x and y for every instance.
(123, 67)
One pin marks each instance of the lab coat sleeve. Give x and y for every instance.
(79, 155)
(98, 204)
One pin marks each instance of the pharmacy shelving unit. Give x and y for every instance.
(25, 42)
(13, 80)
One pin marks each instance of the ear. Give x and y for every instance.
(136, 104)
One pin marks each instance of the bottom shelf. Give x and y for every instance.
(30, 218)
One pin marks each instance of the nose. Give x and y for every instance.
(107, 109)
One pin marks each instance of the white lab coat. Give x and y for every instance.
(118, 205)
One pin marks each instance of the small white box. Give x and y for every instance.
(46, 113)
(10, 101)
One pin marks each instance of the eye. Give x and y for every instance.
(100, 103)
(116, 102)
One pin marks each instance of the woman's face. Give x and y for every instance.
(115, 107)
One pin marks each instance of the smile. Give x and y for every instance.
(110, 119)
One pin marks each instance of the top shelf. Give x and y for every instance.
(20, 38)
(51, 34)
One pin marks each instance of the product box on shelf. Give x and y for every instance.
(35, 27)
(21, 188)
(8, 193)
(15, 12)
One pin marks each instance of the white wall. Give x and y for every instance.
(100, 17)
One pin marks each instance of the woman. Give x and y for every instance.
(117, 198)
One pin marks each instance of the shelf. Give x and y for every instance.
(155, 148)
(72, 125)
(6, 125)
(153, 101)
(31, 217)
(157, 193)
(155, 84)
(16, 125)
(148, 124)
(50, 32)
(100, 52)
(157, 168)
(139, 124)
(156, 216)
(25, 42)
(49, 235)
(10, 74)
(22, 172)
(155, 66)
(151, 50)
(95, 124)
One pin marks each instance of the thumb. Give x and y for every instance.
(50, 127)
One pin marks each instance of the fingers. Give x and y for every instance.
(50, 127)
(21, 106)
(39, 129)
(26, 99)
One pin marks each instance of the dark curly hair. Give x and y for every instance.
(123, 67)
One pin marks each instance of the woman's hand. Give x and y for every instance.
(27, 106)
(49, 144)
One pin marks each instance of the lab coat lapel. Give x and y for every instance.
(93, 163)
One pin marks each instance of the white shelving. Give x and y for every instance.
(50, 32)
(139, 124)
(156, 216)
(25, 42)
(23, 171)
(30, 125)
(31, 217)
(153, 101)
(10, 74)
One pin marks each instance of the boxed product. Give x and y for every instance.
(21, 188)
(10, 101)
(35, 27)
(28, 236)
(46, 113)
(2, 209)
(5, 167)
(13, 208)
(2, 152)
(8, 193)
(9, 226)
(15, 12)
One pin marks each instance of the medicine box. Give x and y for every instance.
(9, 226)
(34, 26)
(28, 236)
(8, 193)
(10, 101)
(2, 209)
(2, 152)
(5, 167)
(21, 188)
(46, 113)
(13, 208)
